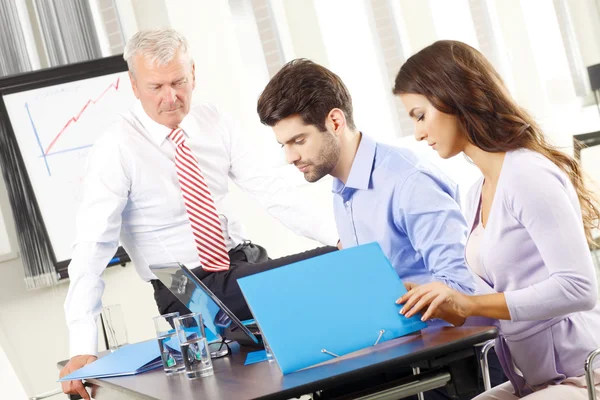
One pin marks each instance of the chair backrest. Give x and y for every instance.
(589, 374)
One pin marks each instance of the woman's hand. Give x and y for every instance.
(437, 301)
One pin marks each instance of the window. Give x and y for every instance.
(40, 34)
(393, 52)
(269, 35)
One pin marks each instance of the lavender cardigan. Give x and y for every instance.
(534, 251)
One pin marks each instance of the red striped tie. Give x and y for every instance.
(200, 207)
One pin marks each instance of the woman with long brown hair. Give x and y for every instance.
(531, 220)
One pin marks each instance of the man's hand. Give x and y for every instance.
(76, 387)
(339, 245)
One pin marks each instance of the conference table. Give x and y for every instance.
(444, 356)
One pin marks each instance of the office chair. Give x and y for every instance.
(588, 367)
(483, 363)
(589, 374)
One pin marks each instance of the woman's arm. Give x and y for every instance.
(440, 301)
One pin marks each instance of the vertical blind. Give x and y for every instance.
(68, 31)
(13, 51)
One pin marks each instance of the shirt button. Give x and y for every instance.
(347, 204)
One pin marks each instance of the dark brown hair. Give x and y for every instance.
(457, 79)
(307, 89)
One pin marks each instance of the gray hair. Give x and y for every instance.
(156, 45)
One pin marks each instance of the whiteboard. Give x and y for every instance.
(55, 127)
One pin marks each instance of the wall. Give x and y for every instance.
(587, 29)
(9, 381)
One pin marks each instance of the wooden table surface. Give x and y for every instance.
(233, 380)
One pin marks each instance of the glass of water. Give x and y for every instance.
(113, 324)
(168, 343)
(194, 346)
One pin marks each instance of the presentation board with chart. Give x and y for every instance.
(55, 123)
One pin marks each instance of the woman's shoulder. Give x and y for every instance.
(524, 168)
(530, 176)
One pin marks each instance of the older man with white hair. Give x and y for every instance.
(158, 181)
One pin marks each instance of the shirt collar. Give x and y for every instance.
(362, 166)
(159, 132)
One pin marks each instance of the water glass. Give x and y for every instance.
(168, 343)
(114, 326)
(194, 346)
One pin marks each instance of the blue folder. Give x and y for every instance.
(130, 359)
(127, 360)
(338, 302)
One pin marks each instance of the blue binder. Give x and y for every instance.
(329, 305)
(128, 360)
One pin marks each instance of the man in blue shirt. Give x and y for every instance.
(381, 193)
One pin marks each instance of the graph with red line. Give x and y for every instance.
(75, 118)
(70, 117)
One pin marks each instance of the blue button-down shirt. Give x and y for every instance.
(410, 208)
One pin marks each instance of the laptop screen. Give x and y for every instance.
(192, 292)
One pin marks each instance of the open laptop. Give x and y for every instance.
(197, 297)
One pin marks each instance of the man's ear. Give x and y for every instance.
(337, 118)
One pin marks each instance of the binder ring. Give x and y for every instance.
(381, 332)
(325, 351)
(328, 352)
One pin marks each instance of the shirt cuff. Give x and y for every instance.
(518, 300)
(83, 339)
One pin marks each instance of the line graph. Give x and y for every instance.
(45, 153)
(37, 137)
(76, 117)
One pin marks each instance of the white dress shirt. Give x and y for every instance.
(131, 193)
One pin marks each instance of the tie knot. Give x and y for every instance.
(177, 136)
